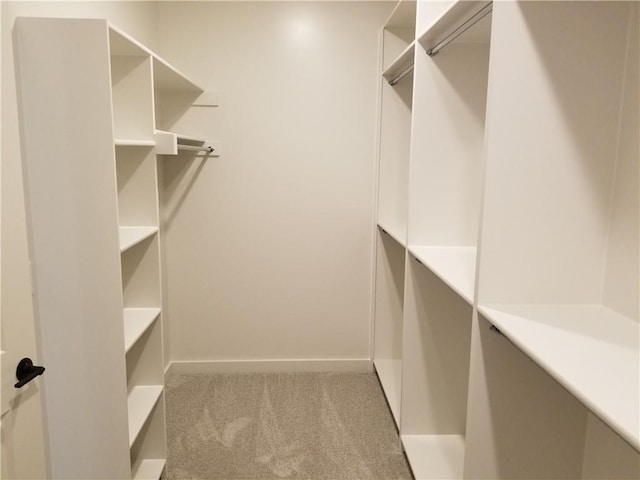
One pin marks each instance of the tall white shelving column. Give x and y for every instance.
(395, 129)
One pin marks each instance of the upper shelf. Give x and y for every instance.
(589, 349)
(400, 65)
(166, 78)
(453, 18)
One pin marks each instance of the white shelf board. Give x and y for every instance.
(390, 374)
(455, 266)
(397, 236)
(141, 401)
(148, 469)
(451, 18)
(403, 15)
(136, 322)
(435, 456)
(400, 64)
(126, 142)
(589, 349)
(130, 236)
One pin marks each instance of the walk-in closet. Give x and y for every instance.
(308, 239)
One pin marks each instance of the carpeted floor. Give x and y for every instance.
(333, 426)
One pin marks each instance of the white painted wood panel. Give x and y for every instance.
(72, 219)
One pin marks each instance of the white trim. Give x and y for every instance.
(269, 366)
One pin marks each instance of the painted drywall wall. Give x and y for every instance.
(268, 249)
(23, 448)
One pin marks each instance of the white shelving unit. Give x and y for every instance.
(508, 238)
(106, 210)
(396, 92)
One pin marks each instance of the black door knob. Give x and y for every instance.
(27, 371)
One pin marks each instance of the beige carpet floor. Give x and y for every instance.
(329, 426)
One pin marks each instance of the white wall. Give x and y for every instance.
(269, 248)
(23, 454)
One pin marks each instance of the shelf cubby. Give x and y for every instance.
(141, 402)
(132, 97)
(395, 131)
(144, 358)
(522, 424)
(600, 341)
(136, 172)
(399, 32)
(436, 349)
(136, 322)
(447, 151)
(389, 297)
(148, 452)
(559, 263)
(141, 274)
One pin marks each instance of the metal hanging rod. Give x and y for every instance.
(479, 15)
(194, 148)
(401, 75)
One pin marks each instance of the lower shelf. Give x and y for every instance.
(141, 401)
(390, 375)
(435, 456)
(148, 469)
(591, 350)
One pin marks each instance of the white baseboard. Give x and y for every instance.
(269, 366)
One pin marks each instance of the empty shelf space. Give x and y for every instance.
(455, 266)
(136, 322)
(400, 64)
(150, 469)
(126, 142)
(141, 401)
(435, 456)
(390, 375)
(589, 349)
(166, 77)
(130, 236)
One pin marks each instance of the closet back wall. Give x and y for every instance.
(268, 249)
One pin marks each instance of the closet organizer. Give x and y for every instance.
(507, 281)
(96, 109)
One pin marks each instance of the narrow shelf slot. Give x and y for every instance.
(435, 456)
(589, 349)
(455, 266)
(126, 142)
(141, 401)
(136, 322)
(130, 236)
(390, 375)
(149, 469)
